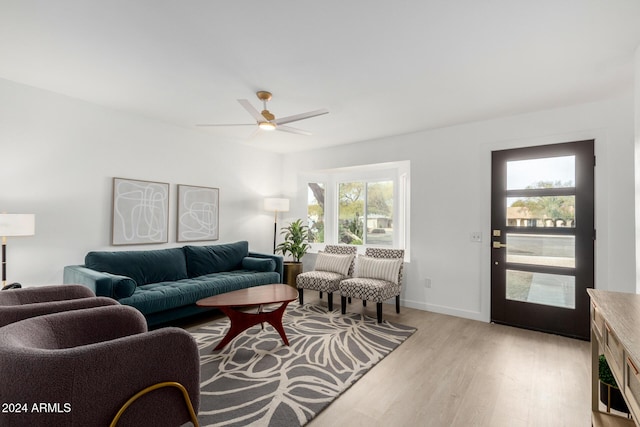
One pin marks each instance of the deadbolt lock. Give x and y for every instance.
(496, 233)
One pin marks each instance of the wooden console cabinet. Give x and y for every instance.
(615, 332)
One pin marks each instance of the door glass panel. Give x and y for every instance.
(550, 172)
(541, 288)
(545, 211)
(540, 249)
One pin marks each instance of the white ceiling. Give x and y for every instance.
(380, 67)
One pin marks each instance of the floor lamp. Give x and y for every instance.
(276, 205)
(14, 225)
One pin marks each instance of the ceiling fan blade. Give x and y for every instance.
(251, 109)
(254, 134)
(239, 124)
(293, 130)
(301, 116)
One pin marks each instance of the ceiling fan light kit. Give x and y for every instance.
(267, 121)
(267, 126)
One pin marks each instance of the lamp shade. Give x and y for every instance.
(273, 204)
(17, 225)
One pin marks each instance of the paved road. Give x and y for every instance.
(548, 246)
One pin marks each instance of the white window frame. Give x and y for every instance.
(397, 172)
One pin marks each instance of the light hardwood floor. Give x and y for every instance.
(459, 372)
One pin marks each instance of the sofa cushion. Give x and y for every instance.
(202, 260)
(143, 267)
(158, 297)
(258, 264)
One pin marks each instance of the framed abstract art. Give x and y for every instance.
(198, 213)
(140, 212)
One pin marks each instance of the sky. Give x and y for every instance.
(522, 173)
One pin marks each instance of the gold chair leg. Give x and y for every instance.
(185, 394)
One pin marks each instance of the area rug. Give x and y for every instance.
(256, 380)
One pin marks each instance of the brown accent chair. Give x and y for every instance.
(82, 368)
(19, 304)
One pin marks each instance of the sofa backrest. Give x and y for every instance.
(161, 265)
(203, 260)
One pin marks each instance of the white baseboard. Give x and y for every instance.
(441, 309)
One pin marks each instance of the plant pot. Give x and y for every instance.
(291, 271)
(612, 397)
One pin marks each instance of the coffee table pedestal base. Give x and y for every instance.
(241, 321)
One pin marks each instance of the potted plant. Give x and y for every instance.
(296, 238)
(610, 394)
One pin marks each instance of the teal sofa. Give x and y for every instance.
(165, 284)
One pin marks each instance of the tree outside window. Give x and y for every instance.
(315, 212)
(365, 213)
(380, 213)
(351, 212)
(363, 205)
(544, 211)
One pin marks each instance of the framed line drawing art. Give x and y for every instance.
(140, 212)
(198, 213)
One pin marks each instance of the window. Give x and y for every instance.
(364, 206)
(379, 216)
(365, 213)
(315, 212)
(351, 212)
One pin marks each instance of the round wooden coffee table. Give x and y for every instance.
(231, 303)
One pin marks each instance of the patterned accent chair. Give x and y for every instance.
(375, 281)
(326, 281)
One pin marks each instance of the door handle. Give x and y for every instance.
(498, 245)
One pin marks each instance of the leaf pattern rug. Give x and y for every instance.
(256, 380)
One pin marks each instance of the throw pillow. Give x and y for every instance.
(378, 268)
(202, 260)
(334, 263)
(121, 286)
(258, 264)
(144, 267)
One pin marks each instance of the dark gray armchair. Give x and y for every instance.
(19, 304)
(81, 367)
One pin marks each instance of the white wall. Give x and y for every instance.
(58, 156)
(450, 196)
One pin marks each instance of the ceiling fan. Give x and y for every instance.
(267, 121)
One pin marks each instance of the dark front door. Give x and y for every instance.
(542, 237)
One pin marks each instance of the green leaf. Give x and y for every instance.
(295, 237)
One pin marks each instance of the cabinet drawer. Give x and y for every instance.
(616, 352)
(632, 387)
